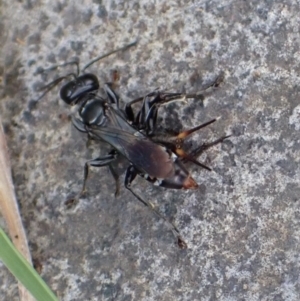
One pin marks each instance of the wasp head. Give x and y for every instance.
(73, 91)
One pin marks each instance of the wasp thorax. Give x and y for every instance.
(92, 112)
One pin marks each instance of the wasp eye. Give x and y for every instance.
(67, 91)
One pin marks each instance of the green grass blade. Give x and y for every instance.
(23, 271)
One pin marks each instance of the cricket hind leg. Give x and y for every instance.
(200, 149)
(131, 174)
(176, 144)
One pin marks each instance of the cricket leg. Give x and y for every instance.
(131, 173)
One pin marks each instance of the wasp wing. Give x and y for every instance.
(148, 157)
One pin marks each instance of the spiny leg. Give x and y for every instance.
(186, 133)
(128, 107)
(176, 146)
(168, 97)
(131, 173)
(147, 115)
(179, 142)
(199, 150)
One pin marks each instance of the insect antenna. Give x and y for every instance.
(55, 82)
(75, 62)
(52, 84)
(108, 54)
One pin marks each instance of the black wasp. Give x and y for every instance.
(132, 135)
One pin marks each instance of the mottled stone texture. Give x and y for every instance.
(242, 225)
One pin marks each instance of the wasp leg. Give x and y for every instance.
(149, 100)
(116, 177)
(129, 111)
(99, 162)
(111, 94)
(146, 117)
(79, 125)
(168, 97)
(131, 173)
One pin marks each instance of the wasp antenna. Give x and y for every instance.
(75, 62)
(52, 84)
(108, 54)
